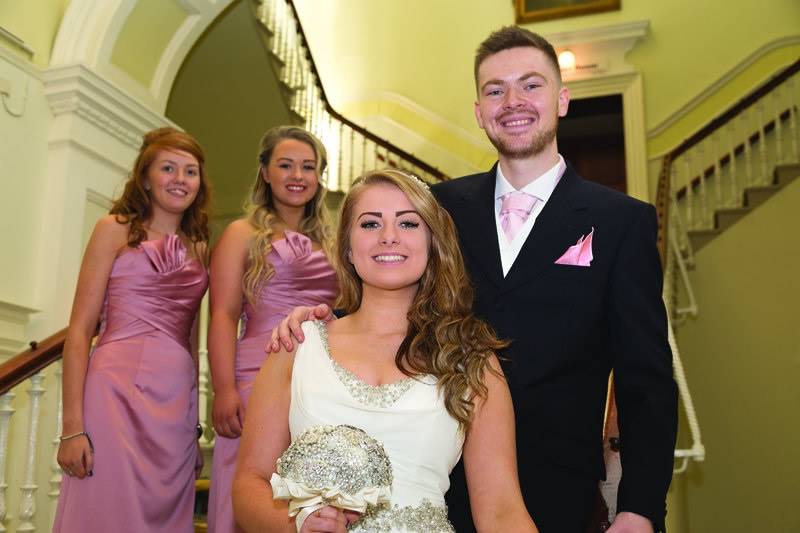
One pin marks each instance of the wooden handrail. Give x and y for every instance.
(736, 109)
(433, 171)
(24, 365)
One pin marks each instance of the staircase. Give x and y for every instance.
(725, 217)
(708, 183)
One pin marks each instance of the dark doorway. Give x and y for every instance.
(591, 137)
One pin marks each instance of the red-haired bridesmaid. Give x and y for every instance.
(129, 443)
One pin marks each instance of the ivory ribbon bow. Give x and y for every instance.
(580, 253)
(303, 500)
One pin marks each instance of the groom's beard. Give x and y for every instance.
(509, 149)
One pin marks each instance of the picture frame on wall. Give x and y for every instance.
(538, 10)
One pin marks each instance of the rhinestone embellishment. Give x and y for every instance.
(344, 457)
(370, 395)
(422, 518)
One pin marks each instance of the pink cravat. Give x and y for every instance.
(514, 212)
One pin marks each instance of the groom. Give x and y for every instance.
(569, 272)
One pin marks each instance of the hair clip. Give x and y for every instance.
(420, 182)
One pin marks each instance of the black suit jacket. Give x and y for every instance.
(570, 326)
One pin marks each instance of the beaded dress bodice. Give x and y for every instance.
(408, 417)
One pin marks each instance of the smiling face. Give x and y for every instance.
(172, 181)
(292, 174)
(520, 99)
(389, 241)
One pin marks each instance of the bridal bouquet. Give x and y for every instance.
(340, 466)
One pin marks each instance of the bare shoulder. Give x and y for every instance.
(240, 227)
(109, 234)
(237, 235)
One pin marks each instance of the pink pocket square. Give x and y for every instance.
(579, 254)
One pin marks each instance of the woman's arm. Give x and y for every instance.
(264, 439)
(108, 237)
(490, 462)
(227, 269)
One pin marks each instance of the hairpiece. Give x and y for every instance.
(419, 182)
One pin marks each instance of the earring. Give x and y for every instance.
(350, 256)
(147, 186)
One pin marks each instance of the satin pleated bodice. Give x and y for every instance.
(140, 399)
(303, 276)
(153, 288)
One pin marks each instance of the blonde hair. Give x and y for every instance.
(444, 338)
(261, 214)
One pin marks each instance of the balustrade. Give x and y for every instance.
(737, 151)
(352, 149)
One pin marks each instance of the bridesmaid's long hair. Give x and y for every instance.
(261, 214)
(444, 337)
(134, 206)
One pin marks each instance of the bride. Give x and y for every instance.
(409, 364)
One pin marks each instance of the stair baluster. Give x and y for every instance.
(27, 504)
(6, 412)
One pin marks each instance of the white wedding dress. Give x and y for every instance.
(408, 417)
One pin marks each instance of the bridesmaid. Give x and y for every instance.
(129, 444)
(263, 266)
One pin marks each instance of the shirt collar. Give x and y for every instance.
(541, 187)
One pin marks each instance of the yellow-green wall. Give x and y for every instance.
(146, 33)
(742, 360)
(35, 22)
(227, 95)
(691, 44)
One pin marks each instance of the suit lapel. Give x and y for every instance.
(478, 227)
(556, 228)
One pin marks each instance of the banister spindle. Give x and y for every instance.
(27, 504)
(790, 84)
(762, 144)
(6, 411)
(704, 211)
(203, 388)
(55, 469)
(690, 220)
(735, 196)
(748, 160)
(352, 175)
(717, 151)
(776, 100)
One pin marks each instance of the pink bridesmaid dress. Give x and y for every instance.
(140, 399)
(302, 277)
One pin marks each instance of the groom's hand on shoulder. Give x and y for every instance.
(290, 328)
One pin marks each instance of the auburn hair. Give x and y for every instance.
(135, 207)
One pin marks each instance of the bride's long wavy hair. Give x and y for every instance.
(261, 214)
(444, 337)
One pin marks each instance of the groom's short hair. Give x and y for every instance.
(514, 37)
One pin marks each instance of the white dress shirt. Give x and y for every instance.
(541, 187)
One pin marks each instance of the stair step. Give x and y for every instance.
(725, 218)
(701, 237)
(786, 173)
(755, 196)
